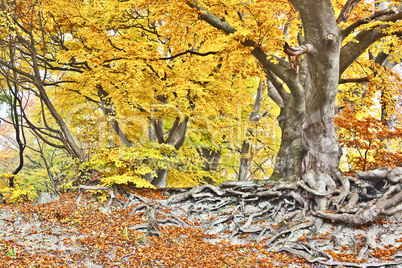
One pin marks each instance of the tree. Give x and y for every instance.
(327, 40)
(14, 97)
(126, 67)
(368, 128)
(369, 143)
(22, 30)
(315, 66)
(172, 64)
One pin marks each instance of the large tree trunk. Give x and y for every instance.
(308, 130)
(320, 85)
(291, 151)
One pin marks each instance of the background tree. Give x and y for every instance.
(23, 23)
(127, 68)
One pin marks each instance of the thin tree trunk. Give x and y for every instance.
(19, 134)
(244, 160)
(16, 115)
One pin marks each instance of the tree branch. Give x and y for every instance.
(354, 80)
(279, 70)
(257, 103)
(346, 10)
(5, 64)
(189, 52)
(274, 84)
(210, 18)
(352, 50)
(273, 93)
(158, 130)
(353, 26)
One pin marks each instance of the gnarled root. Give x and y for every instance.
(291, 216)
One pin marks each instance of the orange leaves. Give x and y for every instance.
(385, 254)
(108, 240)
(151, 193)
(188, 247)
(345, 257)
(369, 141)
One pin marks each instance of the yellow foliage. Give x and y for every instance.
(148, 61)
(129, 165)
(127, 178)
(23, 191)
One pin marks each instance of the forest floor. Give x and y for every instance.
(67, 233)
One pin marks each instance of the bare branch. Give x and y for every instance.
(351, 51)
(189, 52)
(207, 16)
(354, 80)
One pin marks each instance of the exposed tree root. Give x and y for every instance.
(305, 254)
(112, 196)
(362, 265)
(288, 216)
(376, 208)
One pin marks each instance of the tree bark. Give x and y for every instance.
(291, 151)
(314, 84)
(211, 160)
(244, 159)
(176, 137)
(323, 39)
(160, 179)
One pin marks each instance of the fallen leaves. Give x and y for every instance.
(109, 241)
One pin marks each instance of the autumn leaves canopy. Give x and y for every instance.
(157, 93)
